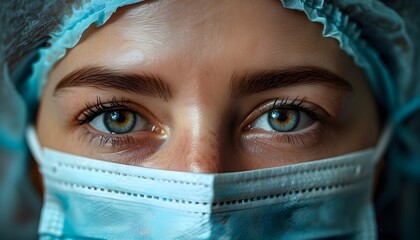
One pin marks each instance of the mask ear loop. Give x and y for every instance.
(34, 144)
(383, 142)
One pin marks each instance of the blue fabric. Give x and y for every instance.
(301, 201)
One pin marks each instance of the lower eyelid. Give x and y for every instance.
(306, 138)
(139, 152)
(107, 142)
(304, 119)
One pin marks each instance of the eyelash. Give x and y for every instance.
(94, 109)
(296, 104)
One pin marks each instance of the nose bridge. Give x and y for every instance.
(205, 153)
(198, 142)
(204, 150)
(197, 129)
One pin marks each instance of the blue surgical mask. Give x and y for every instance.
(88, 198)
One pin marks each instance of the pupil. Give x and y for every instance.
(116, 116)
(279, 115)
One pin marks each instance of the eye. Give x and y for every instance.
(121, 126)
(119, 122)
(282, 120)
(285, 116)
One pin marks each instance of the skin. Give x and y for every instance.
(196, 47)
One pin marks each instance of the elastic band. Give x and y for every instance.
(383, 143)
(34, 144)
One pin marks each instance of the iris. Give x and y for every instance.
(119, 121)
(283, 120)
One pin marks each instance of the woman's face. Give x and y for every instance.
(207, 86)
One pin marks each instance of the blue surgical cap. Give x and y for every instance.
(380, 36)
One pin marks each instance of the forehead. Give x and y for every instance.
(212, 36)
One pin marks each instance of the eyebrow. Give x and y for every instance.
(99, 77)
(248, 84)
(241, 85)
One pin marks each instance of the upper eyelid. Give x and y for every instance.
(285, 102)
(296, 103)
(282, 103)
(124, 103)
(94, 109)
(92, 112)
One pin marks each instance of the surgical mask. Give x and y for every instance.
(88, 198)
